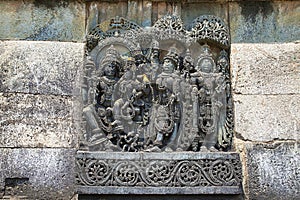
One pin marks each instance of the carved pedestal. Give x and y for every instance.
(158, 173)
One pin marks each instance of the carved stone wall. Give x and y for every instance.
(42, 62)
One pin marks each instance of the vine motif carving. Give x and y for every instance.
(164, 173)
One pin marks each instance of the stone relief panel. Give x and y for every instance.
(163, 88)
(166, 171)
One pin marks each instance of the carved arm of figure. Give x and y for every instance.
(100, 90)
(127, 111)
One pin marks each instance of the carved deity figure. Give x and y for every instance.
(166, 108)
(111, 65)
(99, 114)
(211, 91)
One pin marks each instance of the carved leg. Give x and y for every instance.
(210, 141)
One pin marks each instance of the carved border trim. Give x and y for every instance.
(190, 173)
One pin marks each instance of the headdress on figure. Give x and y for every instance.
(130, 63)
(111, 55)
(173, 56)
(138, 55)
(188, 59)
(206, 55)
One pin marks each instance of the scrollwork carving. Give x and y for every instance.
(209, 27)
(163, 173)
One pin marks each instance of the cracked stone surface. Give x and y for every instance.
(265, 68)
(42, 20)
(267, 117)
(49, 173)
(28, 120)
(273, 171)
(40, 67)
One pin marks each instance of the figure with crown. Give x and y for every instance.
(211, 90)
(165, 117)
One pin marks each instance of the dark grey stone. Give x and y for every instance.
(264, 21)
(160, 197)
(42, 20)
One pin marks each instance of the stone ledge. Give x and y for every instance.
(265, 68)
(158, 190)
(40, 67)
(158, 173)
(265, 118)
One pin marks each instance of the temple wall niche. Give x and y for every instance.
(42, 57)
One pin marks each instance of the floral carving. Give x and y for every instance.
(164, 173)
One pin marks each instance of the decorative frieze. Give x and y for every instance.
(205, 172)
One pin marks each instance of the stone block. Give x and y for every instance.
(42, 20)
(265, 68)
(36, 121)
(192, 10)
(40, 67)
(267, 117)
(37, 173)
(264, 21)
(139, 12)
(273, 171)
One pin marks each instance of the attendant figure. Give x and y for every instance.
(211, 91)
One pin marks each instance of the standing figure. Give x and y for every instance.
(166, 108)
(211, 91)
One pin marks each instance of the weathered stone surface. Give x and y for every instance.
(161, 9)
(101, 12)
(264, 21)
(46, 173)
(42, 20)
(265, 68)
(40, 67)
(273, 171)
(190, 11)
(36, 121)
(267, 117)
